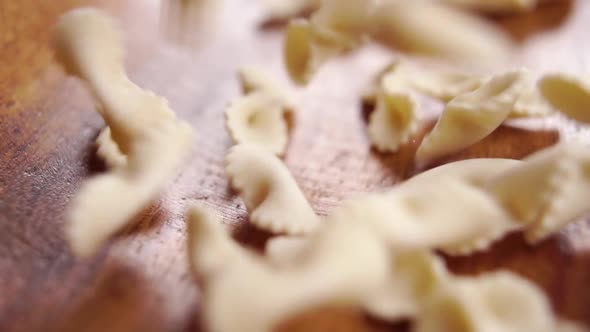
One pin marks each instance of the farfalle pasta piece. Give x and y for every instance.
(108, 150)
(271, 195)
(424, 215)
(281, 293)
(443, 83)
(531, 103)
(446, 83)
(254, 79)
(211, 250)
(436, 81)
(259, 118)
(141, 125)
(282, 250)
(500, 301)
(414, 277)
(420, 213)
(547, 191)
(394, 120)
(568, 94)
(308, 46)
(472, 116)
(434, 28)
(420, 26)
(476, 172)
(262, 116)
(372, 90)
(496, 6)
(335, 28)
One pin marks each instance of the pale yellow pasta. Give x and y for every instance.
(259, 118)
(413, 279)
(496, 6)
(436, 81)
(424, 215)
(433, 28)
(420, 26)
(141, 125)
(262, 116)
(271, 195)
(568, 94)
(108, 150)
(476, 172)
(307, 47)
(394, 120)
(372, 90)
(472, 116)
(283, 250)
(254, 79)
(344, 265)
(531, 103)
(547, 191)
(211, 250)
(499, 301)
(444, 83)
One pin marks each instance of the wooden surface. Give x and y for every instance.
(140, 280)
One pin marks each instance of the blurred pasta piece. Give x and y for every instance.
(568, 94)
(141, 126)
(472, 116)
(268, 189)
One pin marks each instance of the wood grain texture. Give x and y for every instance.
(140, 280)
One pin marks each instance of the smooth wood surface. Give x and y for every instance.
(140, 280)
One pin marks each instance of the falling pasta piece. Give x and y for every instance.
(281, 293)
(420, 213)
(476, 172)
(394, 120)
(424, 215)
(298, 53)
(262, 116)
(442, 83)
(496, 6)
(260, 119)
(471, 117)
(141, 125)
(371, 91)
(271, 195)
(254, 79)
(109, 151)
(433, 80)
(282, 250)
(335, 28)
(307, 47)
(434, 28)
(547, 191)
(531, 103)
(500, 301)
(415, 276)
(424, 27)
(211, 250)
(568, 94)
(188, 23)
